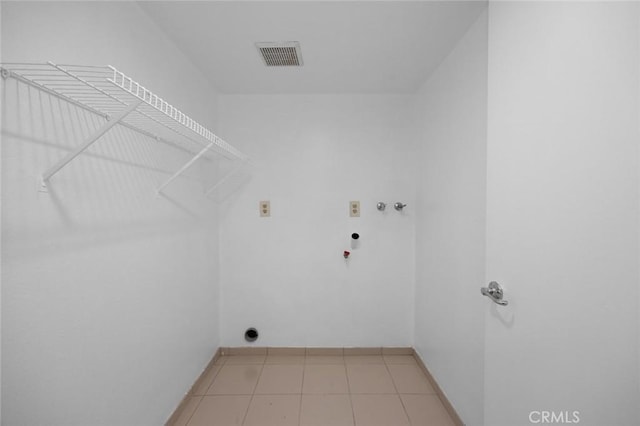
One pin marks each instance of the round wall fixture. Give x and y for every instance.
(251, 335)
(399, 206)
(355, 240)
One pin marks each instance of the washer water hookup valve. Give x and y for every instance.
(399, 206)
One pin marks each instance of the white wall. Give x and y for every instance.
(562, 211)
(109, 295)
(285, 274)
(450, 222)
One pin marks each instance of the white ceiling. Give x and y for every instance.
(347, 46)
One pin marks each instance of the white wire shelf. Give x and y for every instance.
(110, 93)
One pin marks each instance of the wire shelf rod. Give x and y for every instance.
(184, 168)
(59, 79)
(53, 78)
(80, 91)
(67, 86)
(82, 66)
(16, 65)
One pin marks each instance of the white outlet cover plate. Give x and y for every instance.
(265, 208)
(354, 208)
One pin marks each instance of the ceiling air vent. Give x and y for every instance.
(280, 54)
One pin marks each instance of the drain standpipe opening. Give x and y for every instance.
(251, 335)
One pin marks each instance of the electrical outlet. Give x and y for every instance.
(265, 208)
(354, 208)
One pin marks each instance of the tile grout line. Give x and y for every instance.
(453, 414)
(244, 419)
(194, 410)
(406, 413)
(206, 392)
(304, 370)
(353, 411)
(187, 397)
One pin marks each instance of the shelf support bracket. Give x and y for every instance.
(90, 141)
(224, 178)
(185, 167)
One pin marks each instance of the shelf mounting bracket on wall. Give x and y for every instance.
(183, 168)
(223, 179)
(112, 121)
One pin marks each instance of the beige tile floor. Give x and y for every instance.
(280, 390)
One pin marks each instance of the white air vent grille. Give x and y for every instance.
(280, 54)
